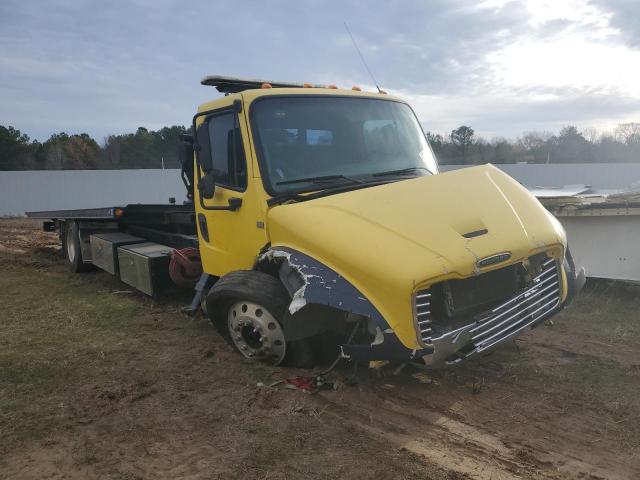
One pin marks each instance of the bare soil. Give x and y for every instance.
(98, 381)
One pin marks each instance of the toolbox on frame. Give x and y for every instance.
(104, 249)
(145, 266)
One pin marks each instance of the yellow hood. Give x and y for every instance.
(389, 239)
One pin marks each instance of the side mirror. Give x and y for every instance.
(185, 157)
(185, 153)
(207, 185)
(203, 147)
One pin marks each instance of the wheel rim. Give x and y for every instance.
(256, 333)
(71, 246)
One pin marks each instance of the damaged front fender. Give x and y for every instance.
(310, 282)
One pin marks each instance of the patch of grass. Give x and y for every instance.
(606, 310)
(583, 385)
(57, 332)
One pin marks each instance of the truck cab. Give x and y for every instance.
(326, 228)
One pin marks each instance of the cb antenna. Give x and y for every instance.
(362, 57)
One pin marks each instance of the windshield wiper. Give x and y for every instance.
(402, 171)
(321, 179)
(285, 197)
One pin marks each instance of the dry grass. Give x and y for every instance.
(96, 383)
(100, 384)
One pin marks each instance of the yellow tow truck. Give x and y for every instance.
(320, 225)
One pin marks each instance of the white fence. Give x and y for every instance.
(606, 246)
(58, 190)
(24, 191)
(597, 175)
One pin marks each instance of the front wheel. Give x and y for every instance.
(248, 308)
(256, 333)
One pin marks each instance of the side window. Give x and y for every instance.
(227, 154)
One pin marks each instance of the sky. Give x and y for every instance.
(502, 67)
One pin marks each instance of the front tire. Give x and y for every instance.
(248, 308)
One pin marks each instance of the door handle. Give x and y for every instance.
(234, 203)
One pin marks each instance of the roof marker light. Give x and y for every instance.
(307, 85)
(266, 85)
(332, 86)
(356, 88)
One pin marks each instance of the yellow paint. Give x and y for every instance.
(394, 239)
(234, 237)
(389, 240)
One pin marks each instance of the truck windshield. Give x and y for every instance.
(307, 143)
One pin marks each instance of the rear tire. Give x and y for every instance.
(247, 307)
(72, 250)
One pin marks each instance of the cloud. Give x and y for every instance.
(623, 16)
(501, 66)
(509, 116)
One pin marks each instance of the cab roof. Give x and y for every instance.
(250, 89)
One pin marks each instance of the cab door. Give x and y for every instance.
(230, 224)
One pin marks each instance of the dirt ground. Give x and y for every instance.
(97, 381)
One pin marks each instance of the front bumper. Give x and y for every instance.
(527, 309)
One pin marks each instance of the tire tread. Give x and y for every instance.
(260, 288)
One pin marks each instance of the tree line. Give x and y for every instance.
(570, 145)
(159, 148)
(143, 149)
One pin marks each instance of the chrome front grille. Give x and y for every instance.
(422, 314)
(521, 311)
(501, 322)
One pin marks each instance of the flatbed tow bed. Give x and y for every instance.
(150, 234)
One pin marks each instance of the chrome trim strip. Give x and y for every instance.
(520, 313)
(514, 299)
(502, 339)
(554, 300)
(500, 323)
(517, 305)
